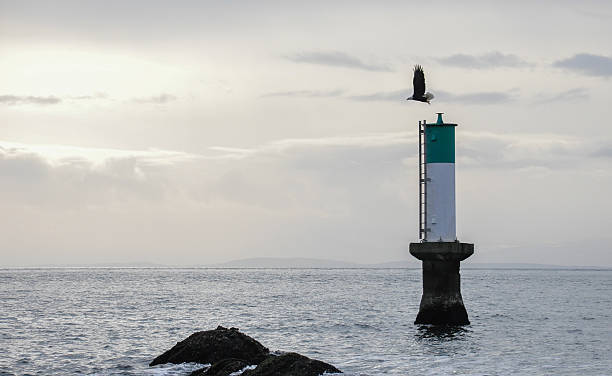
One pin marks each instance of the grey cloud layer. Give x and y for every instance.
(45, 100)
(489, 60)
(162, 98)
(478, 149)
(484, 97)
(15, 99)
(89, 97)
(393, 96)
(336, 59)
(588, 64)
(156, 99)
(401, 95)
(519, 151)
(306, 93)
(323, 162)
(349, 194)
(61, 176)
(568, 95)
(478, 98)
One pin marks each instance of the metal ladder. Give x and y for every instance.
(422, 184)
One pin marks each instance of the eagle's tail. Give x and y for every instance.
(429, 96)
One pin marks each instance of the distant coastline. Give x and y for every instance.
(306, 263)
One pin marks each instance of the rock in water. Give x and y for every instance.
(222, 368)
(229, 351)
(291, 364)
(211, 346)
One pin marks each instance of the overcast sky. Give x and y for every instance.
(193, 132)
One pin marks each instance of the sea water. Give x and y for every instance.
(97, 321)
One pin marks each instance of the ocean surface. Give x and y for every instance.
(100, 321)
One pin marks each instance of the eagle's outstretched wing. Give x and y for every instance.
(418, 82)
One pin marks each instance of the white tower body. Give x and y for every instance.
(440, 192)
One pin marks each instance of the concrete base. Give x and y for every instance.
(441, 302)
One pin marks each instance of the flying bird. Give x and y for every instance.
(418, 83)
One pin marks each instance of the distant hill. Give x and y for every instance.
(101, 265)
(305, 263)
(527, 266)
(281, 262)
(313, 263)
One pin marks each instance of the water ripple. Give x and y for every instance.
(114, 321)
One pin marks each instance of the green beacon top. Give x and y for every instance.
(440, 141)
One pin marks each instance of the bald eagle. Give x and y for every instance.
(418, 83)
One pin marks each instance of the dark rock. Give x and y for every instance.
(222, 368)
(291, 364)
(211, 346)
(229, 351)
(199, 372)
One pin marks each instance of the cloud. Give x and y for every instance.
(588, 64)
(305, 94)
(603, 151)
(48, 100)
(336, 59)
(349, 195)
(291, 145)
(568, 95)
(25, 166)
(483, 97)
(163, 98)
(91, 97)
(486, 61)
(599, 14)
(392, 96)
(475, 149)
(313, 175)
(56, 155)
(16, 100)
(522, 151)
(327, 175)
(63, 176)
(467, 98)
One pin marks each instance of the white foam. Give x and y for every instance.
(175, 369)
(242, 370)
